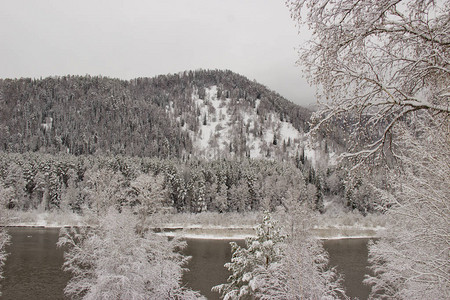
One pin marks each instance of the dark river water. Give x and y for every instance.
(33, 268)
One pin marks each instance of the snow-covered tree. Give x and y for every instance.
(70, 197)
(149, 194)
(221, 198)
(239, 197)
(412, 259)
(104, 188)
(261, 251)
(4, 240)
(14, 187)
(384, 65)
(376, 62)
(114, 261)
(303, 271)
(274, 265)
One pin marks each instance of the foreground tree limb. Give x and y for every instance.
(381, 60)
(412, 259)
(383, 68)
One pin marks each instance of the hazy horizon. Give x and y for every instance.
(132, 39)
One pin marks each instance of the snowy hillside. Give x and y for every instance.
(229, 127)
(204, 113)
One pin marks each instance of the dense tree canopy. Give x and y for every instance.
(94, 183)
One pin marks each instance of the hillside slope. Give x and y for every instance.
(204, 113)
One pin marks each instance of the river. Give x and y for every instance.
(33, 268)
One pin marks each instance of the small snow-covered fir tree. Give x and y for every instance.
(114, 261)
(303, 271)
(260, 251)
(278, 266)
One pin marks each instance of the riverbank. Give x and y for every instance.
(236, 233)
(44, 219)
(210, 225)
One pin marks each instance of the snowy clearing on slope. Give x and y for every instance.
(224, 128)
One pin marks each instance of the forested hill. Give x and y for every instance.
(209, 113)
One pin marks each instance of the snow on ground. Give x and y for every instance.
(337, 224)
(44, 219)
(214, 233)
(310, 153)
(349, 232)
(288, 131)
(212, 136)
(225, 233)
(333, 159)
(268, 136)
(217, 132)
(213, 225)
(255, 148)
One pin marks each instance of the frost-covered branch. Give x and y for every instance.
(115, 261)
(412, 260)
(383, 60)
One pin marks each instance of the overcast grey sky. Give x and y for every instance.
(137, 38)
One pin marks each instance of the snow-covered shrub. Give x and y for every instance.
(114, 261)
(302, 273)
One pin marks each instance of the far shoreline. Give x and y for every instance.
(231, 233)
